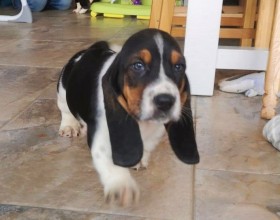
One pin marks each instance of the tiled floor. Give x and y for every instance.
(44, 176)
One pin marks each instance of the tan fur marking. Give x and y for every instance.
(146, 56)
(122, 102)
(183, 97)
(175, 56)
(133, 99)
(182, 86)
(183, 93)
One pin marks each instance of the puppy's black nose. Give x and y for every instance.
(164, 102)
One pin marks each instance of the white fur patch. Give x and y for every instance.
(161, 86)
(116, 180)
(79, 7)
(151, 134)
(77, 59)
(159, 43)
(101, 138)
(69, 126)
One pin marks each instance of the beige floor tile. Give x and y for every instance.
(12, 31)
(40, 53)
(42, 112)
(229, 135)
(50, 92)
(48, 28)
(20, 86)
(229, 195)
(67, 18)
(85, 33)
(27, 213)
(53, 172)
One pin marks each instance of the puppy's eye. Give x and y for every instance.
(138, 67)
(178, 67)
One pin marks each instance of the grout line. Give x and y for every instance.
(35, 126)
(16, 115)
(239, 172)
(78, 211)
(193, 208)
(24, 109)
(19, 65)
(194, 195)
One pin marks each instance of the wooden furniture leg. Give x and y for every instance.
(272, 77)
(264, 24)
(250, 9)
(162, 13)
(167, 12)
(155, 14)
(242, 2)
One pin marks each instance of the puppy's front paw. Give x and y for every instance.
(140, 166)
(69, 131)
(83, 11)
(143, 164)
(77, 10)
(122, 191)
(137, 166)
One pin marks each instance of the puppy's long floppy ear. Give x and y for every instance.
(181, 133)
(125, 137)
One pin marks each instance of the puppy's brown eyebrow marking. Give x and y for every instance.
(175, 57)
(145, 55)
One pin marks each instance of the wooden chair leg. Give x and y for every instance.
(241, 2)
(155, 14)
(162, 14)
(167, 13)
(250, 9)
(272, 78)
(264, 24)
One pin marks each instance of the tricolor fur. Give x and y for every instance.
(126, 100)
(82, 6)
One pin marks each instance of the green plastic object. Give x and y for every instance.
(121, 7)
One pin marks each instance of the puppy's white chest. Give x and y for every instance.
(151, 133)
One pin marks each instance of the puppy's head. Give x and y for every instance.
(152, 82)
(149, 82)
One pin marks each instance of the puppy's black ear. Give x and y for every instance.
(125, 136)
(181, 133)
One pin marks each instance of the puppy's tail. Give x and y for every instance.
(100, 45)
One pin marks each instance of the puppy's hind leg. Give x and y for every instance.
(70, 126)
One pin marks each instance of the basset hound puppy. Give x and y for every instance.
(125, 101)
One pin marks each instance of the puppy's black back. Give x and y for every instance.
(80, 79)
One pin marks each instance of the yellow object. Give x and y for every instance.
(113, 16)
(143, 17)
(93, 14)
(120, 9)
